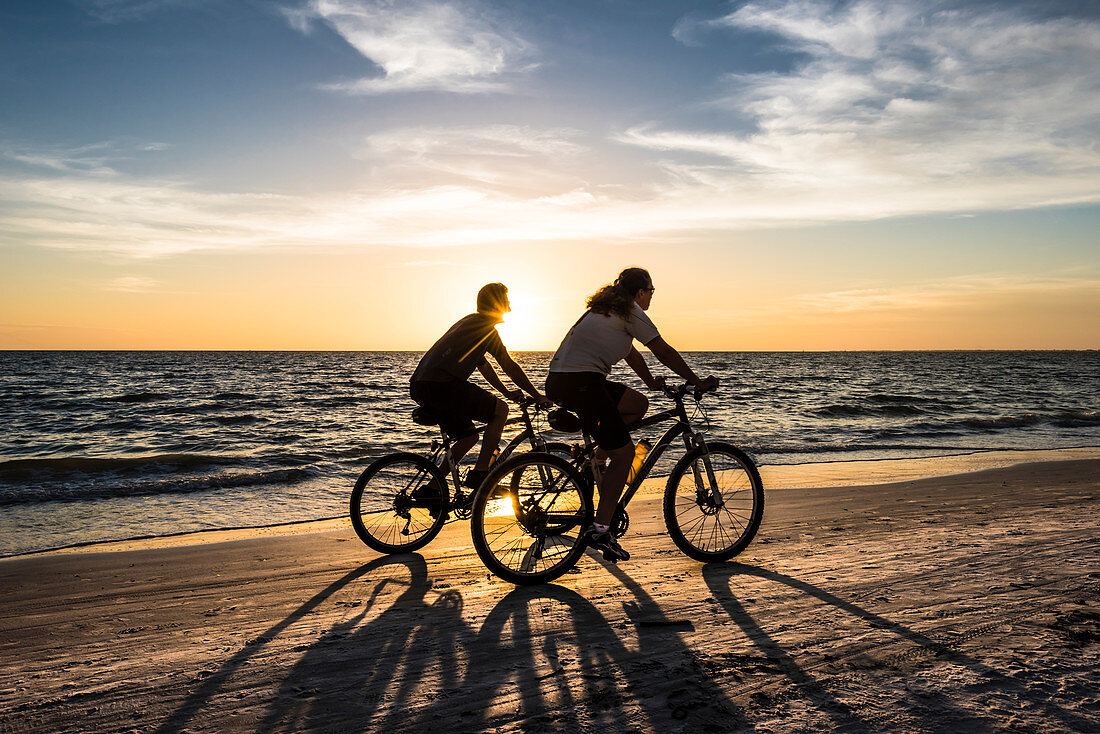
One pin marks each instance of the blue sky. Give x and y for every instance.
(903, 168)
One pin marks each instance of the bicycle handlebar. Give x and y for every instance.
(679, 391)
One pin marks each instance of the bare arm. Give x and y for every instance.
(671, 358)
(494, 380)
(518, 376)
(638, 364)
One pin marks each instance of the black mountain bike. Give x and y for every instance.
(402, 500)
(531, 513)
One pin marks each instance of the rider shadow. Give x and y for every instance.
(376, 675)
(556, 663)
(719, 578)
(544, 658)
(191, 706)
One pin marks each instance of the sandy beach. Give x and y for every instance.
(963, 602)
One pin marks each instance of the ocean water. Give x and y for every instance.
(112, 445)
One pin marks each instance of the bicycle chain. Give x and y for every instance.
(620, 524)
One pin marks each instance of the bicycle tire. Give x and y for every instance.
(543, 492)
(512, 448)
(696, 524)
(385, 515)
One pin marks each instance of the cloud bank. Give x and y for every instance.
(421, 46)
(900, 108)
(892, 109)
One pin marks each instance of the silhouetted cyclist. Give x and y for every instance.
(440, 381)
(603, 336)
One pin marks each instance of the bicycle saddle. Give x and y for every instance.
(562, 420)
(424, 416)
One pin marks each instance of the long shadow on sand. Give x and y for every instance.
(376, 675)
(721, 579)
(544, 658)
(212, 684)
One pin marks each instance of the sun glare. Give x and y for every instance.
(500, 508)
(522, 329)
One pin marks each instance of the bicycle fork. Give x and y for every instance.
(706, 493)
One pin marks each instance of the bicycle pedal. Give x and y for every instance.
(610, 557)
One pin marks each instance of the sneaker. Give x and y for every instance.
(605, 543)
(474, 478)
(429, 496)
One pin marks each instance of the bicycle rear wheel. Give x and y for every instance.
(529, 518)
(714, 502)
(399, 503)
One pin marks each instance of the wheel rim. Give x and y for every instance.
(392, 510)
(534, 527)
(714, 516)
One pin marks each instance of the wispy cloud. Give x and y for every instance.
(523, 159)
(959, 292)
(422, 45)
(123, 11)
(99, 158)
(133, 284)
(900, 108)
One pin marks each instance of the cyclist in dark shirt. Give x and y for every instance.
(440, 381)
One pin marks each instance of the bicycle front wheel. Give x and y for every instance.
(529, 518)
(714, 502)
(521, 443)
(399, 503)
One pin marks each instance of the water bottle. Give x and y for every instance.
(641, 449)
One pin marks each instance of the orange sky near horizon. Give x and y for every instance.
(384, 301)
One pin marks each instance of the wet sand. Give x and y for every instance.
(968, 602)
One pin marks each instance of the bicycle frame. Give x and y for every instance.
(442, 447)
(681, 427)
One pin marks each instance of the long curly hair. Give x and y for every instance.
(618, 297)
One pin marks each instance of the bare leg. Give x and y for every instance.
(492, 436)
(458, 450)
(613, 480)
(632, 406)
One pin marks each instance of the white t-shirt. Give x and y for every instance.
(597, 342)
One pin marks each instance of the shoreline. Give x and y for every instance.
(776, 477)
(968, 602)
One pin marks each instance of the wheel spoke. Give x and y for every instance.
(524, 541)
(713, 503)
(397, 505)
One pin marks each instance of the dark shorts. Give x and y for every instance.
(596, 400)
(456, 404)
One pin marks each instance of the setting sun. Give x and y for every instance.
(524, 328)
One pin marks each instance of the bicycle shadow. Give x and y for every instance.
(375, 675)
(179, 719)
(719, 578)
(543, 658)
(569, 666)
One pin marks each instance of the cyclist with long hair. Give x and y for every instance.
(603, 336)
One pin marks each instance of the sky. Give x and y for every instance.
(345, 174)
